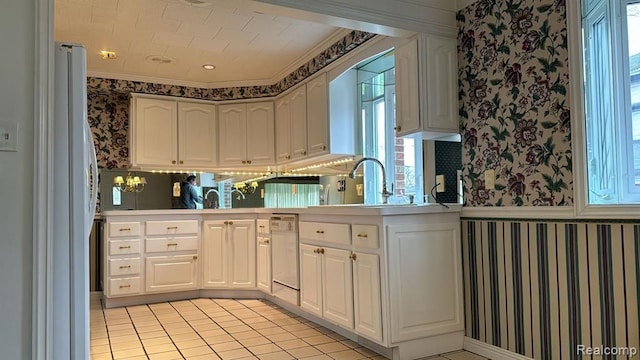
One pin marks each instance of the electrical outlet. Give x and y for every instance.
(440, 183)
(8, 136)
(490, 179)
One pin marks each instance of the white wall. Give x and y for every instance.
(17, 28)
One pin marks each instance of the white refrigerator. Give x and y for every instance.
(74, 183)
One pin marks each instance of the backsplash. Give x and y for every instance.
(514, 106)
(540, 289)
(108, 99)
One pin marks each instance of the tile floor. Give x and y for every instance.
(219, 329)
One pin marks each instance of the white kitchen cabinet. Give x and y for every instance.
(263, 256)
(317, 116)
(229, 254)
(310, 279)
(337, 286)
(169, 133)
(427, 88)
(366, 295)
(291, 125)
(246, 134)
(171, 273)
(425, 264)
(122, 258)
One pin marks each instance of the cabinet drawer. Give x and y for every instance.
(171, 244)
(124, 247)
(128, 266)
(365, 236)
(172, 227)
(263, 226)
(124, 286)
(325, 232)
(120, 229)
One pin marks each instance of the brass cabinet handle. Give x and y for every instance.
(248, 161)
(173, 161)
(172, 244)
(317, 251)
(352, 256)
(319, 231)
(288, 157)
(244, 161)
(321, 251)
(226, 222)
(124, 286)
(324, 147)
(172, 228)
(195, 257)
(124, 229)
(398, 128)
(362, 235)
(230, 222)
(125, 247)
(304, 153)
(125, 267)
(266, 241)
(181, 162)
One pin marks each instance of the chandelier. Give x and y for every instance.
(129, 183)
(246, 189)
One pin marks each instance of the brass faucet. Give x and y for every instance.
(385, 192)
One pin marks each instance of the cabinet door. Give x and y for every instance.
(299, 122)
(154, 139)
(337, 287)
(366, 296)
(310, 279)
(283, 129)
(232, 136)
(407, 88)
(214, 259)
(260, 134)
(171, 273)
(442, 84)
(424, 263)
(317, 116)
(197, 138)
(263, 260)
(242, 253)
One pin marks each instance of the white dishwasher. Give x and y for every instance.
(284, 257)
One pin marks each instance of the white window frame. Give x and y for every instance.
(582, 207)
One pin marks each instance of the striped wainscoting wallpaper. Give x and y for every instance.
(541, 289)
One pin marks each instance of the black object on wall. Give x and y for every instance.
(448, 162)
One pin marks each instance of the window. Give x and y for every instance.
(401, 157)
(610, 32)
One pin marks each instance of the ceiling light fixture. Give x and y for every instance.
(129, 183)
(108, 55)
(208, 66)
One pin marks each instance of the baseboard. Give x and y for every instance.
(95, 295)
(490, 351)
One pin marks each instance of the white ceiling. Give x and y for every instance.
(249, 43)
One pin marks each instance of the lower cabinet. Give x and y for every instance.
(171, 273)
(326, 286)
(263, 262)
(229, 254)
(366, 295)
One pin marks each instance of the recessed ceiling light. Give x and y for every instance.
(200, 3)
(108, 55)
(160, 59)
(208, 66)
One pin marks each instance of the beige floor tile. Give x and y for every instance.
(272, 330)
(234, 354)
(179, 330)
(123, 354)
(160, 348)
(307, 333)
(246, 334)
(237, 329)
(304, 352)
(366, 352)
(296, 327)
(185, 337)
(126, 346)
(347, 355)
(212, 332)
(350, 344)
(292, 344)
(97, 342)
(331, 347)
(217, 339)
(438, 357)
(226, 346)
(170, 355)
(281, 337)
(149, 328)
(156, 341)
(195, 351)
(263, 325)
(318, 357)
(104, 356)
(127, 326)
(122, 339)
(317, 340)
(140, 357)
(462, 355)
(99, 349)
(152, 334)
(264, 349)
(123, 333)
(281, 355)
(187, 344)
(204, 357)
(255, 341)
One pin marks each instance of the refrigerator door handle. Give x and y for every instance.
(93, 184)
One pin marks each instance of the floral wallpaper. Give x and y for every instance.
(514, 106)
(108, 99)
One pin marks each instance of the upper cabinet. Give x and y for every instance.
(317, 116)
(172, 133)
(427, 88)
(246, 134)
(291, 125)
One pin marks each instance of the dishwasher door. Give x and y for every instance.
(284, 259)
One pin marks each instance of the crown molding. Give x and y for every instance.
(194, 84)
